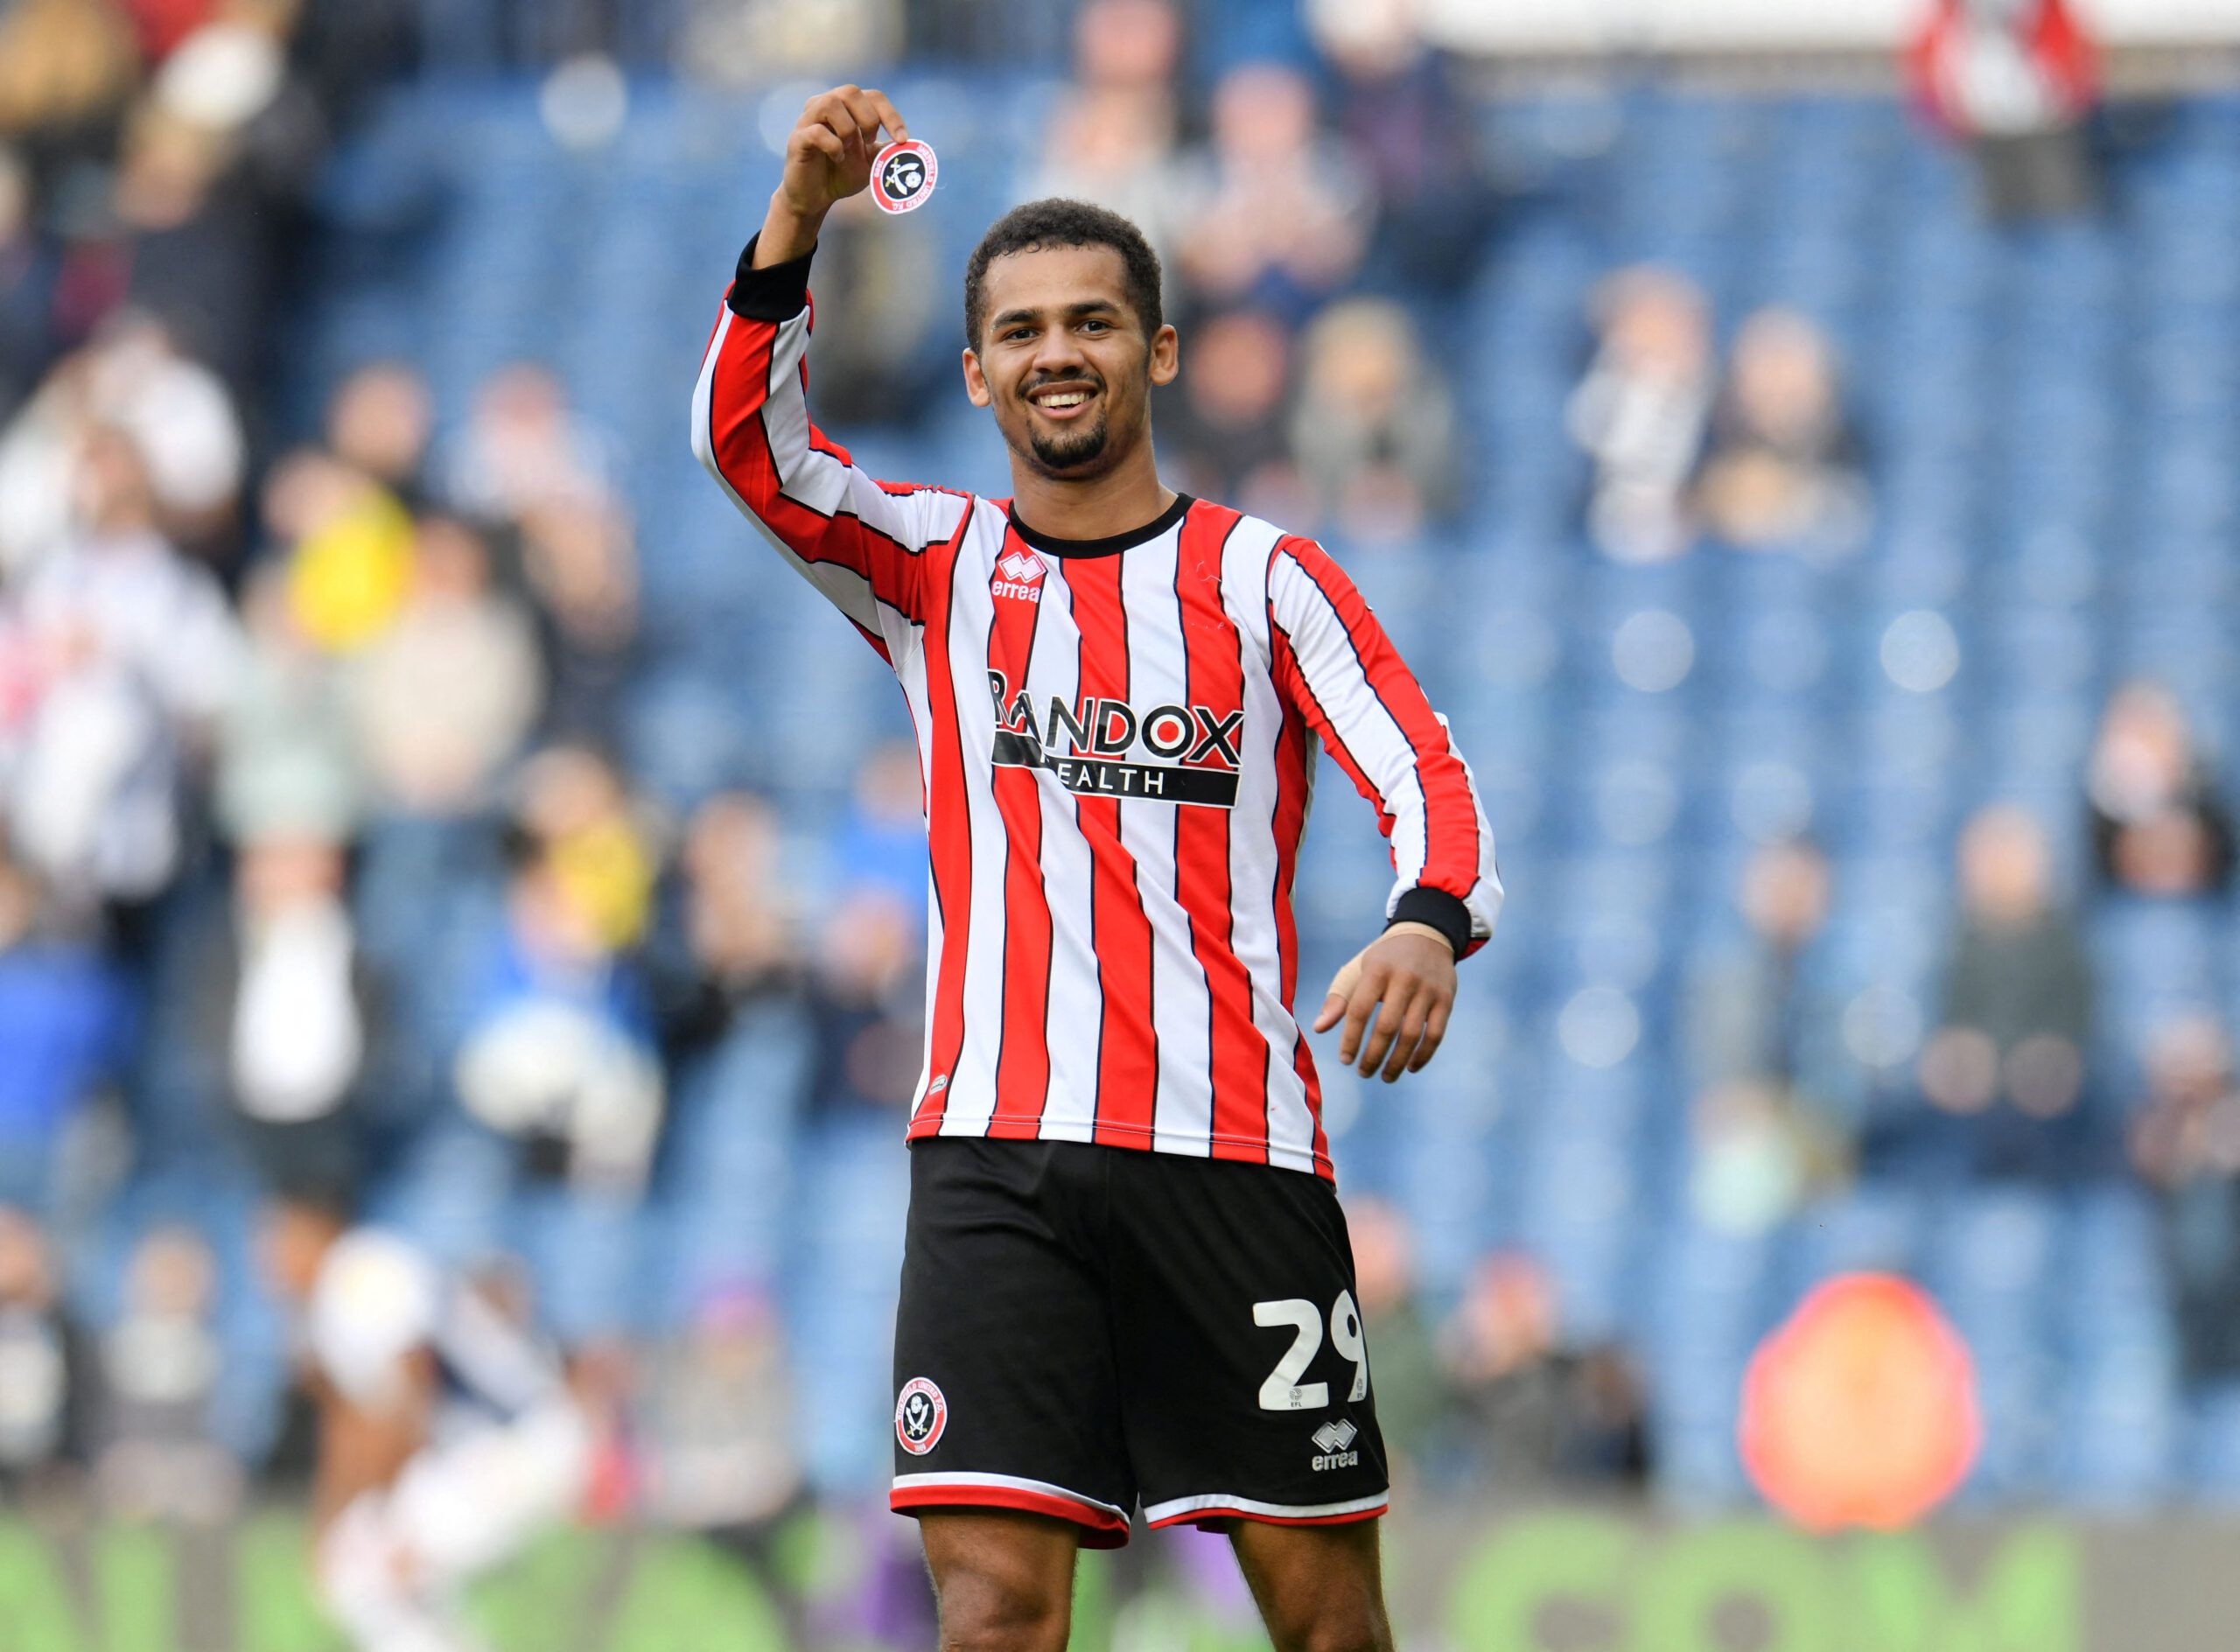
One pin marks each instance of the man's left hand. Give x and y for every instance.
(1410, 969)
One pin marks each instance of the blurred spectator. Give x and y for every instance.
(295, 1229)
(882, 841)
(1531, 1415)
(1223, 424)
(378, 421)
(2016, 1010)
(349, 549)
(44, 1369)
(1405, 118)
(750, 42)
(1278, 213)
(2158, 827)
(67, 70)
(63, 1036)
(176, 412)
(559, 1051)
(158, 1370)
(580, 566)
(446, 694)
(1777, 1097)
(1640, 411)
(218, 160)
(867, 998)
(719, 1432)
(135, 651)
(737, 933)
(1112, 135)
(1372, 432)
(1404, 1363)
(287, 750)
(2015, 79)
(2186, 1141)
(26, 288)
(525, 447)
(1783, 469)
(288, 1011)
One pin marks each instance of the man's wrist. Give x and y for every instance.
(1435, 910)
(1405, 927)
(788, 232)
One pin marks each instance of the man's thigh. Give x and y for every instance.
(1001, 1579)
(1316, 1586)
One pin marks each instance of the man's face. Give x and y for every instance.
(1063, 360)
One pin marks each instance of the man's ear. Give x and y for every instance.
(1166, 355)
(975, 382)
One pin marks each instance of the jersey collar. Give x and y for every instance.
(1110, 546)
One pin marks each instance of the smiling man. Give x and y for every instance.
(1126, 1281)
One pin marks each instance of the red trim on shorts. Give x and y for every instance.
(1100, 1530)
(1198, 1517)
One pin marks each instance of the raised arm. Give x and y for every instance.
(861, 541)
(1341, 673)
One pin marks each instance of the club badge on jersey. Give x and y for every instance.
(902, 176)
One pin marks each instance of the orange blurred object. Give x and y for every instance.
(1861, 1409)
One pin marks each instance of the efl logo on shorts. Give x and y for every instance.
(920, 1415)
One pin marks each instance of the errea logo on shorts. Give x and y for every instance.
(1019, 575)
(920, 1415)
(1334, 1438)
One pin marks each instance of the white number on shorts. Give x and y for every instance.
(1346, 1337)
(1283, 1391)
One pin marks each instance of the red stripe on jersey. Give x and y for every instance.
(1451, 847)
(1213, 677)
(1023, 1047)
(1127, 1056)
(950, 838)
(738, 393)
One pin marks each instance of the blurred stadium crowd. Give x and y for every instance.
(420, 793)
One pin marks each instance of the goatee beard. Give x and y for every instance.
(1069, 451)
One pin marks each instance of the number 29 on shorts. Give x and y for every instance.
(1283, 1391)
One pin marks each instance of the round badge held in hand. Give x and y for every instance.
(902, 176)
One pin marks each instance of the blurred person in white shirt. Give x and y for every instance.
(448, 1438)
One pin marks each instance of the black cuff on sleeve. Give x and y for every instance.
(775, 294)
(1443, 912)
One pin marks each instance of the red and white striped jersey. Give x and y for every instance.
(1117, 740)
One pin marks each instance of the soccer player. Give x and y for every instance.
(447, 1437)
(1126, 1279)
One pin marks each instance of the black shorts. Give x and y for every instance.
(1083, 1326)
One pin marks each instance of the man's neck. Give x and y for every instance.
(1098, 507)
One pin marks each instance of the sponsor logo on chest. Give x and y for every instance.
(1087, 745)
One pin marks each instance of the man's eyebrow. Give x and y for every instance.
(1086, 307)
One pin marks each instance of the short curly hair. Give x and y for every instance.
(1060, 222)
